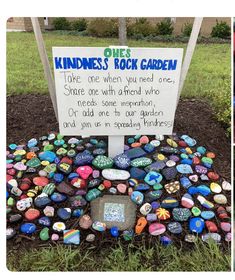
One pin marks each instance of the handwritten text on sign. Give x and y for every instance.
(116, 91)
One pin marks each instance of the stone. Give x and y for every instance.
(34, 162)
(175, 227)
(114, 210)
(181, 214)
(84, 171)
(151, 217)
(122, 188)
(225, 226)
(64, 167)
(187, 201)
(128, 234)
(220, 199)
(137, 173)
(170, 163)
(196, 225)
(184, 169)
(47, 155)
(113, 190)
(49, 189)
(28, 228)
(205, 203)
(169, 173)
(226, 186)
(171, 143)
(115, 174)
(202, 189)
(196, 211)
(99, 226)
(153, 178)
(77, 201)
(99, 151)
(44, 221)
(93, 194)
(215, 188)
(207, 215)
(149, 148)
(162, 214)
(65, 189)
(165, 240)
(78, 183)
(156, 166)
(156, 229)
(24, 203)
(85, 222)
(122, 161)
(44, 234)
(155, 143)
(83, 158)
(15, 218)
(169, 202)
(10, 233)
(193, 178)
(213, 176)
(153, 195)
(222, 213)
(190, 141)
(190, 238)
(141, 162)
(71, 236)
(172, 187)
(135, 153)
(42, 200)
(90, 237)
(64, 213)
(20, 166)
(137, 197)
(228, 237)
(40, 181)
(114, 231)
(211, 226)
(140, 225)
(58, 197)
(211, 236)
(145, 209)
(59, 226)
(32, 214)
(102, 162)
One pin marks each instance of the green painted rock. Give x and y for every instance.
(44, 234)
(181, 214)
(50, 168)
(207, 160)
(34, 162)
(157, 186)
(10, 201)
(48, 147)
(49, 189)
(196, 211)
(71, 153)
(102, 162)
(141, 162)
(93, 194)
(61, 152)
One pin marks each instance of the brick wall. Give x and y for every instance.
(22, 23)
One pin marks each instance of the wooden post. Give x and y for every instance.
(45, 62)
(189, 53)
(116, 143)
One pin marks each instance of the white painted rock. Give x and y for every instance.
(115, 174)
(220, 199)
(215, 188)
(145, 209)
(226, 186)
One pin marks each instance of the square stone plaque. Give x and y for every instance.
(114, 210)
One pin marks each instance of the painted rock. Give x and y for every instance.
(65, 188)
(77, 201)
(193, 178)
(33, 162)
(90, 237)
(14, 218)
(64, 167)
(226, 186)
(184, 169)
(122, 188)
(196, 224)
(40, 181)
(140, 225)
(172, 187)
(10, 233)
(77, 213)
(64, 213)
(84, 171)
(115, 174)
(181, 214)
(47, 156)
(42, 200)
(170, 163)
(58, 197)
(222, 213)
(151, 217)
(190, 238)
(78, 183)
(98, 152)
(113, 190)
(149, 148)
(114, 231)
(28, 228)
(155, 143)
(71, 236)
(142, 187)
(93, 194)
(202, 189)
(215, 188)
(185, 182)
(175, 227)
(211, 236)
(122, 161)
(59, 226)
(196, 211)
(20, 166)
(137, 173)
(32, 214)
(155, 166)
(225, 226)
(141, 162)
(102, 162)
(162, 214)
(44, 221)
(205, 203)
(153, 195)
(211, 226)
(187, 201)
(85, 222)
(44, 234)
(137, 197)
(172, 143)
(99, 226)
(135, 153)
(190, 141)
(152, 178)
(83, 158)
(169, 202)
(24, 203)
(213, 176)
(220, 199)
(200, 169)
(165, 240)
(207, 215)
(128, 234)
(228, 237)
(169, 173)
(156, 229)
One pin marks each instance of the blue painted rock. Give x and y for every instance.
(77, 213)
(58, 197)
(153, 195)
(201, 169)
(201, 150)
(184, 169)
(174, 227)
(71, 236)
(42, 200)
(152, 178)
(156, 166)
(165, 240)
(122, 161)
(99, 151)
(181, 214)
(28, 228)
(58, 178)
(44, 221)
(149, 148)
(155, 205)
(99, 226)
(47, 156)
(137, 197)
(187, 201)
(102, 162)
(73, 175)
(190, 141)
(83, 158)
(151, 217)
(137, 173)
(115, 174)
(186, 161)
(142, 187)
(196, 224)
(169, 173)
(156, 229)
(64, 213)
(114, 231)
(94, 183)
(169, 202)
(202, 189)
(135, 153)
(207, 215)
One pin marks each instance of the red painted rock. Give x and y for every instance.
(107, 184)
(144, 139)
(211, 226)
(66, 160)
(225, 226)
(213, 176)
(23, 196)
(78, 183)
(156, 229)
(196, 160)
(40, 181)
(11, 171)
(25, 185)
(32, 214)
(84, 171)
(121, 188)
(181, 143)
(9, 177)
(222, 213)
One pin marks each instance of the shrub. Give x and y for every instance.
(164, 27)
(61, 23)
(79, 25)
(221, 30)
(140, 28)
(102, 27)
(187, 29)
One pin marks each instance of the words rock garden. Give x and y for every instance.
(68, 190)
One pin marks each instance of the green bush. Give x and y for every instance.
(187, 29)
(79, 25)
(102, 27)
(164, 27)
(61, 23)
(221, 30)
(140, 28)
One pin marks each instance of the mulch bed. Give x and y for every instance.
(31, 116)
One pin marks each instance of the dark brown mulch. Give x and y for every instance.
(32, 115)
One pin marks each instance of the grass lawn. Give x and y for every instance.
(208, 77)
(122, 258)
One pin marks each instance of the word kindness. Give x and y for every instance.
(121, 61)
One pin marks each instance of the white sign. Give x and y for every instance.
(116, 90)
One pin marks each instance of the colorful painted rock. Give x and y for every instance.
(211, 226)
(137, 197)
(196, 224)
(84, 171)
(145, 209)
(211, 236)
(205, 203)
(71, 236)
(181, 214)
(141, 162)
(184, 169)
(59, 226)
(153, 178)
(44, 234)
(156, 229)
(174, 227)
(187, 201)
(215, 188)
(196, 211)
(172, 187)
(28, 228)
(40, 181)
(102, 162)
(220, 199)
(32, 214)
(140, 225)
(85, 222)
(99, 226)
(169, 202)
(207, 215)
(93, 194)
(169, 173)
(122, 161)
(162, 214)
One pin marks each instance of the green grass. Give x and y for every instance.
(203, 257)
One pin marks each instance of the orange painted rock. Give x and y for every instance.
(30, 155)
(32, 214)
(141, 224)
(135, 145)
(210, 155)
(196, 160)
